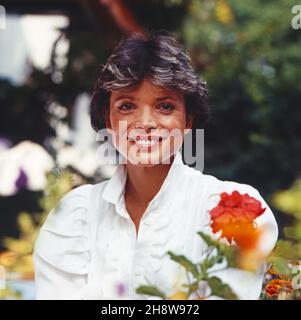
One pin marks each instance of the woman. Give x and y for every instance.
(107, 239)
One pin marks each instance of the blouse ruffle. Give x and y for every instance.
(63, 240)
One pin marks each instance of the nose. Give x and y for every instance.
(146, 120)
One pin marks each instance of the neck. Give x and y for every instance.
(143, 183)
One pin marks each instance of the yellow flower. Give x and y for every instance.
(7, 258)
(223, 12)
(288, 201)
(180, 295)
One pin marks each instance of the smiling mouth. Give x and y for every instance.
(146, 142)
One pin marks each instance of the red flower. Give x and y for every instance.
(234, 216)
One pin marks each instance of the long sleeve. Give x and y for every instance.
(248, 285)
(61, 253)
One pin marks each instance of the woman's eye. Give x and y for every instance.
(166, 107)
(126, 107)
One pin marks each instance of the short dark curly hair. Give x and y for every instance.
(159, 57)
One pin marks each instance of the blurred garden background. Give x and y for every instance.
(51, 52)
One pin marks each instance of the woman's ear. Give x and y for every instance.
(189, 123)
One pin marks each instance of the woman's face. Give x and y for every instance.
(147, 123)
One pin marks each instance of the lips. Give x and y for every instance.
(143, 141)
(136, 136)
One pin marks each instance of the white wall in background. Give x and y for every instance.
(27, 40)
(40, 33)
(13, 51)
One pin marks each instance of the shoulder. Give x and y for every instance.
(218, 186)
(72, 206)
(214, 185)
(207, 186)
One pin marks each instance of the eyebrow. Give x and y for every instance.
(133, 98)
(124, 97)
(165, 98)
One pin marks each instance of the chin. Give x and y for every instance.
(145, 159)
(149, 159)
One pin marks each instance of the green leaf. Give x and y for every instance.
(151, 291)
(229, 252)
(186, 263)
(210, 242)
(280, 265)
(220, 289)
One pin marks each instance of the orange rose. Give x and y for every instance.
(234, 216)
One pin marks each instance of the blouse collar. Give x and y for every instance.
(114, 190)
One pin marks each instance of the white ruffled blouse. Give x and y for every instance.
(88, 247)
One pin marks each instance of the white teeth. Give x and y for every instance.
(146, 142)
